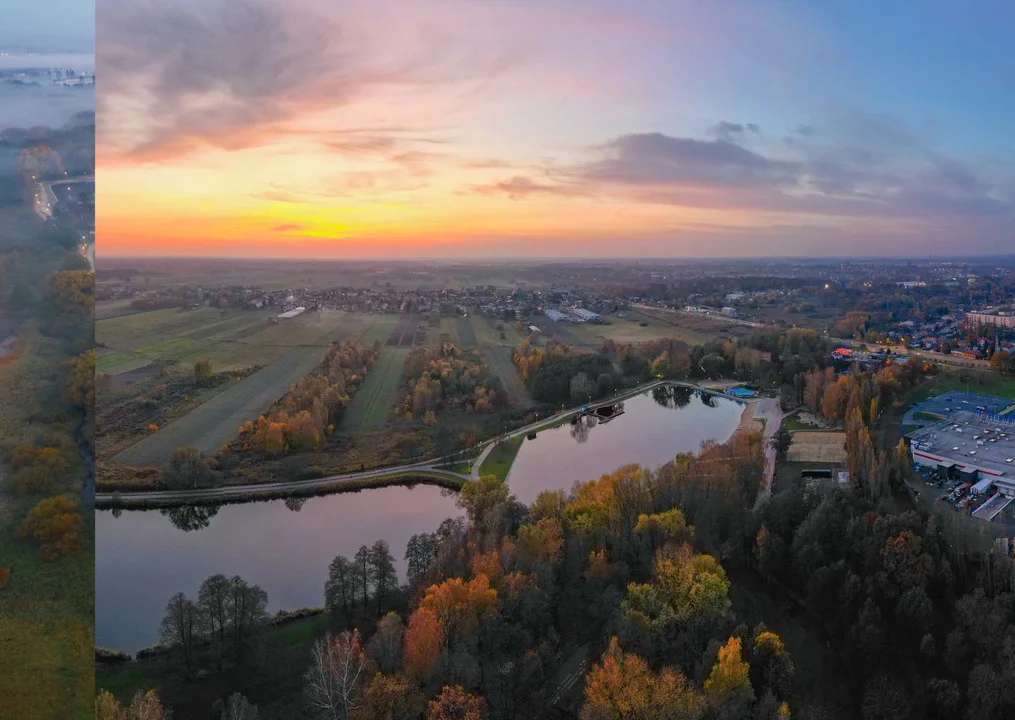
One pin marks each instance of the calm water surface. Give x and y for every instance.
(653, 429)
(143, 558)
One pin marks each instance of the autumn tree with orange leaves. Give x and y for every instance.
(55, 526)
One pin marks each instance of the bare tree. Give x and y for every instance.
(382, 570)
(179, 625)
(248, 611)
(213, 603)
(335, 679)
(239, 708)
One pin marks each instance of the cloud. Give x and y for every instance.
(658, 159)
(878, 170)
(732, 132)
(233, 73)
(521, 187)
(286, 228)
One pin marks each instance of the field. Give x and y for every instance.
(982, 382)
(818, 447)
(373, 401)
(277, 353)
(231, 339)
(113, 308)
(216, 422)
(46, 609)
(148, 359)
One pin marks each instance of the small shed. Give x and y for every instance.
(982, 487)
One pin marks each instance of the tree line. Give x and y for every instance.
(303, 418)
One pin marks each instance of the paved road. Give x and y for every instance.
(768, 409)
(237, 492)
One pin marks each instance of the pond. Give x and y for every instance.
(652, 430)
(144, 557)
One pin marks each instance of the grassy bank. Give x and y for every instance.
(500, 459)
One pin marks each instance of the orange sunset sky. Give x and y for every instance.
(548, 128)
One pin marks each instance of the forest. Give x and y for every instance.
(46, 432)
(874, 606)
(444, 377)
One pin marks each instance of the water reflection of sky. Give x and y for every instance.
(142, 559)
(653, 429)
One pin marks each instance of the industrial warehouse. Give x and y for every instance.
(973, 449)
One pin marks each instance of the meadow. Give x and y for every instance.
(46, 609)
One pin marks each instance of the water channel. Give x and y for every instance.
(144, 557)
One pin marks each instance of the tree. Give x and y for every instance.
(385, 647)
(454, 703)
(781, 442)
(771, 667)
(420, 552)
(202, 371)
(80, 388)
(144, 706)
(239, 708)
(55, 526)
(1001, 362)
(248, 613)
(424, 641)
(340, 588)
(582, 388)
(187, 469)
(180, 627)
(382, 570)
(213, 601)
(392, 697)
(479, 496)
(335, 679)
(604, 385)
(729, 684)
(618, 687)
(362, 562)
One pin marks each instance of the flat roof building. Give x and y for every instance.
(584, 315)
(556, 316)
(980, 446)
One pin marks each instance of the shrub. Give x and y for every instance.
(111, 656)
(55, 526)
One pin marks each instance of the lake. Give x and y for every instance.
(143, 558)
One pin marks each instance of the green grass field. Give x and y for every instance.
(501, 364)
(982, 382)
(216, 422)
(46, 627)
(373, 401)
(500, 459)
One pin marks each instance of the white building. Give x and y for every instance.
(583, 315)
(292, 313)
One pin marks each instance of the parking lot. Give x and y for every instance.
(953, 401)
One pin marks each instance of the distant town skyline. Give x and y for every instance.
(555, 128)
(54, 26)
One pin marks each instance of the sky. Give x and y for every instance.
(55, 26)
(555, 128)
